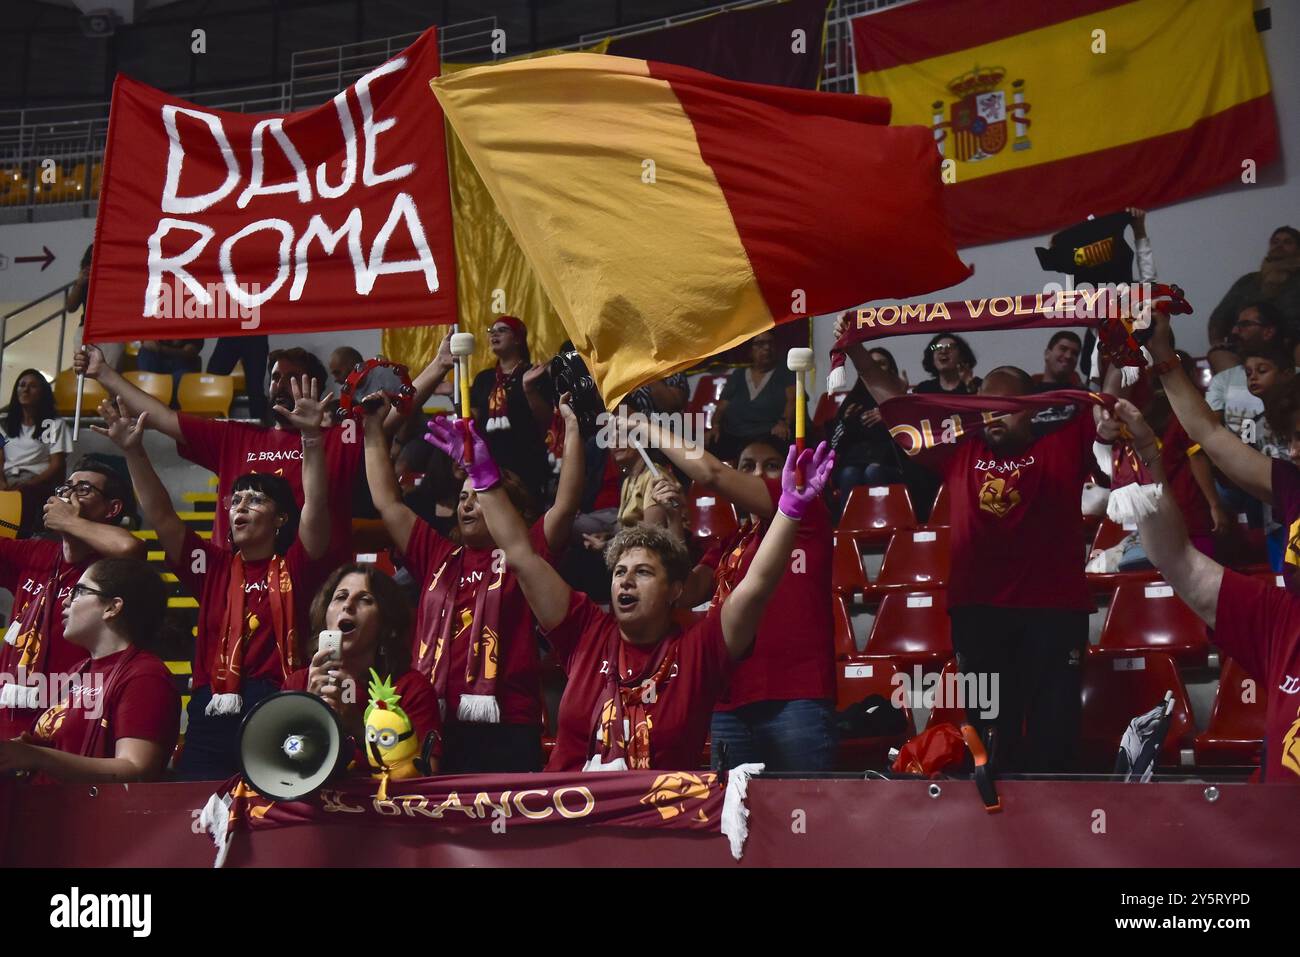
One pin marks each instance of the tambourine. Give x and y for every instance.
(376, 375)
(569, 373)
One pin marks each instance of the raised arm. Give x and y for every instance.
(306, 416)
(879, 382)
(743, 608)
(545, 591)
(89, 361)
(747, 492)
(557, 524)
(63, 516)
(425, 383)
(155, 504)
(1247, 467)
(1194, 576)
(399, 520)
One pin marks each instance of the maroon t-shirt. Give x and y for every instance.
(144, 704)
(793, 656)
(1258, 624)
(232, 449)
(1017, 526)
(415, 697)
(33, 569)
(518, 690)
(210, 587)
(680, 714)
(1176, 451)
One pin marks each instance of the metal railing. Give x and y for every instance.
(31, 319)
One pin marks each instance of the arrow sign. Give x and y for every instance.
(45, 260)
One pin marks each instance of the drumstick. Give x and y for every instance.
(799, 361)
(462, 347)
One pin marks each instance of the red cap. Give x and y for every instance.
(515, 324)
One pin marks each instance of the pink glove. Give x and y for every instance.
(483, 472)
(816, 467)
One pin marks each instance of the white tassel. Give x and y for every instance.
(479, 708)
(1130, 503)
(735, 816)
(1102, 453)
(215, 819)
(1128, 375)
(20, 696)
(224, 704)
(594, 763)
(838, 379)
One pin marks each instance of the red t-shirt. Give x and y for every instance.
(793, 656)
(1017, 526)
(144, 704)
(415, 697)
(1176, 451)
(261, 655)
(32, 569)
(611, 486)
(518, 690)
(680, 714)
(1258, 624)
(232, 449)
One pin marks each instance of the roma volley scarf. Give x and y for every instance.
(29, 639)
(621, 724)
(481, 627)
(228, 656)
(920, 422)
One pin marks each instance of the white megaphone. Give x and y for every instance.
(290, 745)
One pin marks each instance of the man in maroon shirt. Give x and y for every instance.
(1255, 622)
(780, 706)
(83, 513)
(1017, 595)
(232, 449)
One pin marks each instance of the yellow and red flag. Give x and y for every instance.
(1046, 112)
(670, 214)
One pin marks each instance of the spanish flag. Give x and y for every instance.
(1046, 112)
(670, 214)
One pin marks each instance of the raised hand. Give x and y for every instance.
(125, 432)
(59, 512)
(1137, 426)
(815, 467)
(308, 412)
(89, 361)
(566, 411)
(450, 438)
(374, 410)
(666, 492)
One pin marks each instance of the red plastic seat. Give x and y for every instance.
(380, 559)
(873, 513)
(856, 679)
(847, 575)
(912, 628)
(1108, 536)
(1118, 689)
(707, 390)
(1235, 734)
(828, 406)
(711, 517)
(941, 510)
(944, 713)
(916, 559)
(1150, 617)
(846, 645)
(684, 618)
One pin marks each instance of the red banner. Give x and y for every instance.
(688, 800)
(214, 223)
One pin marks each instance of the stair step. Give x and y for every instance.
(182, 603)
(151, 535)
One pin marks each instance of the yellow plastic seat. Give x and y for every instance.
(156, 384)
(237, 373)
(65, 395)
(11, 513)
(207, 395)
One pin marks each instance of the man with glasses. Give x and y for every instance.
(83, 514)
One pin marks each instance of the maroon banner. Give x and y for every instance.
(214, 223)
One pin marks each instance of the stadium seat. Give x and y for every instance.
(916, 559)
(156, 384)
(708, 390)
(1150, 617)
(847, 575)
(828, 406)
(381, 559)
(941, 510)
(856, 679)
(912, 628)
(65, 395)
(873, 513)
(948, 715)
(711, 517)
(846, 646)
(1235, 734)
(1103, 583)
(1118, 689)
(207, 395)
(237, 374)
(684, 618)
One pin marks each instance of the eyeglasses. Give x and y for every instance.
(79, 589)
(79, 489)
(1246, 323)
(252, 500)
(942, 347)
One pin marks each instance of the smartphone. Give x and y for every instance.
(331, 640)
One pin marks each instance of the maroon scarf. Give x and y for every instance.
(621, 725)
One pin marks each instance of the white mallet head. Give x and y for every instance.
(800, 360)
(462, 344)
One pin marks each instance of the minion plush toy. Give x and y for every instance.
(391, 744)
